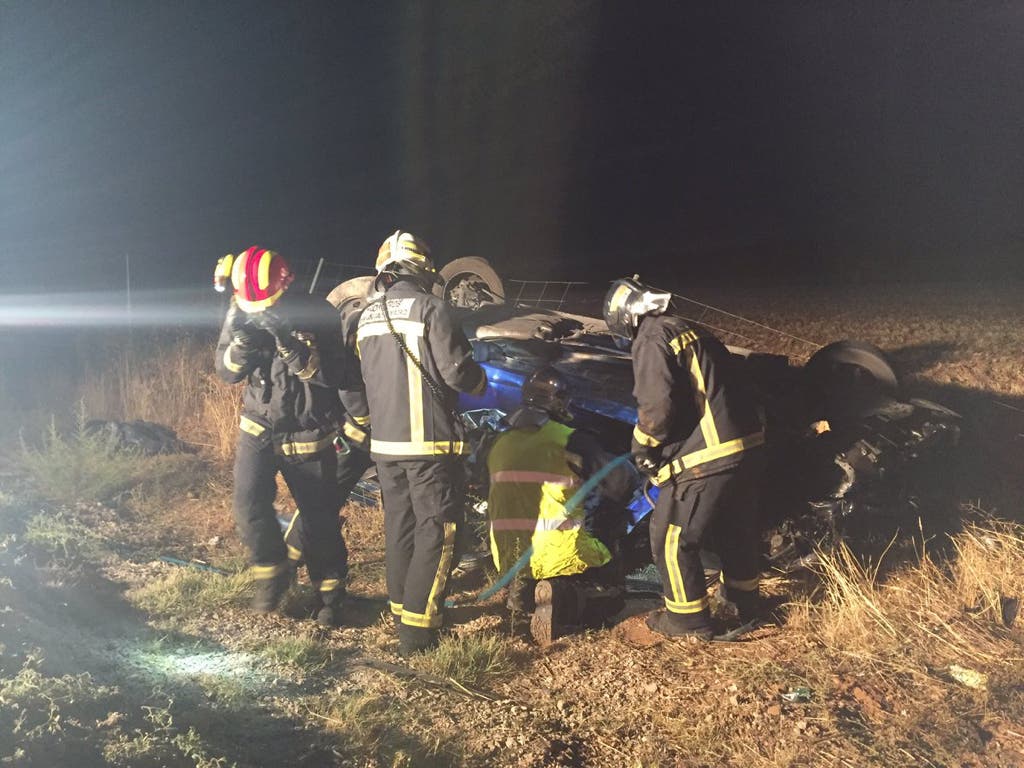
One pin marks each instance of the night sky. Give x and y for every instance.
(819, 141)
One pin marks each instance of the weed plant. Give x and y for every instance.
(80, 466)
(64, 538)
(470, 659)
(305, 653)
(385, 731)
(184, 593)
(36, 708)
(161, 743)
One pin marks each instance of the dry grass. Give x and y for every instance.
(303, 652)
(470, 659)
(364, 535)
(77, 467)
(380, 728)
(184, 593)
(172, 383)
(920, 666)
(928, 615)
(909, 666)
(64, 538)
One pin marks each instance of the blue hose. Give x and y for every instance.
(576, 499)
(192, 564)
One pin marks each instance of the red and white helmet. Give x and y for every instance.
(259, 278)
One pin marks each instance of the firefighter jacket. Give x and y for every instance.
(356, 426)
(291, 395)
(534, 471)
(412, 371)
(695, 413)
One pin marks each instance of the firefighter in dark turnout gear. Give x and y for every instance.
(285, 347)
(573, 576)
(698, 436)
(353, 444)
(352, 449)
(414, 360)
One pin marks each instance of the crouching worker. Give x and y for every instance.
(573, 578)
(285, 347)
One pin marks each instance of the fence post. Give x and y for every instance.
(316, 275)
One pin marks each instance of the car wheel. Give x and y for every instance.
(470, 283)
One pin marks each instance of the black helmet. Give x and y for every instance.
(548, 390)
(627, 301)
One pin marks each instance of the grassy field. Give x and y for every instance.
(112, 656)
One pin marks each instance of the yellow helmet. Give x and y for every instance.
(404, 254)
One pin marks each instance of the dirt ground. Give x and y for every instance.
(95, 672)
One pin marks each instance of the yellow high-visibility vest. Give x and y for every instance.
(531, 481)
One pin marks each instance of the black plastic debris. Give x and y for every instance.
(144, 437)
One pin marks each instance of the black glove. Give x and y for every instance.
(289, 347)
(241, 332)
(272, 322)
(647, 461)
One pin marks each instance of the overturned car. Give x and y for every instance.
(840, 436)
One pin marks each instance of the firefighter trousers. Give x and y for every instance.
(351, 467)
(422, 516)
(721, 510)
(311, 480)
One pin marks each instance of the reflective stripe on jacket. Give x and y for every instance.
(300, 411)
(695, 410)
(531, 481)
(408, 420)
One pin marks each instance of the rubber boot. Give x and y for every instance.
(332, 609)
(271, 589)
(413, 640)
(749, 605)
(556, 611)
(597, 603)
(694, 625)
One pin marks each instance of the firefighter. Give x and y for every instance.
(353, 444)
(698, 437)
(415, 359)
(535, 467)
(284, 345)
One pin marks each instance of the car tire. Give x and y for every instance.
(830, 359)
(470, 282)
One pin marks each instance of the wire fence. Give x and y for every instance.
(549, 294)
(323, 276)
(736, 328)
(585, 298)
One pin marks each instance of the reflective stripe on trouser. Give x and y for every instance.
(422, 516)
(351, 467)
(311, 480)
(262, 572)
(684, 518)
